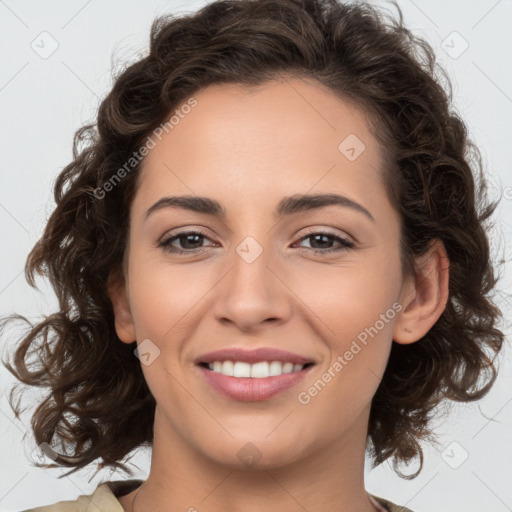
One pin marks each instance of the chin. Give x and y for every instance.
(256, 453)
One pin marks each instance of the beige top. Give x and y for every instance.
(105, 496)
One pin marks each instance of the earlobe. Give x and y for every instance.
(117, 292)
(424, 296)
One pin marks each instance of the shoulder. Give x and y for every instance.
(389, 506)
(103, 498)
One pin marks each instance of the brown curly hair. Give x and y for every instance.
(99, 406)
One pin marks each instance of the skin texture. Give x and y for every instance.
(248, 150)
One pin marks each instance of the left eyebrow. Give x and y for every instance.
(299, 203)
(287, 205)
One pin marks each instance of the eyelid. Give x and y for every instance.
(164, 240)
(186, 229)
(345, 242)
(328, 231)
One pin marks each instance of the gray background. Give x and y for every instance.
(45, 98)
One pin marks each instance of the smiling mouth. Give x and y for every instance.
(256, 381)
(259, 370)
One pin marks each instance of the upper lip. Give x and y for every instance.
(253, 356)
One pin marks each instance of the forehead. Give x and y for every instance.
(288, 135)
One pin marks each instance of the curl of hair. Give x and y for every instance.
(98, 402)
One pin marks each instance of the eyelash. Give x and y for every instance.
(165, 244)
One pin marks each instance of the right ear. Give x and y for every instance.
(117, 291)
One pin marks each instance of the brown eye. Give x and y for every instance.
(189, 242)
(323, 242)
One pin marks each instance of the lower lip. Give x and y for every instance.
(250, 389)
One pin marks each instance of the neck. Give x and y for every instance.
(328, 479)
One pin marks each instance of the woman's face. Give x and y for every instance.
(320, 281)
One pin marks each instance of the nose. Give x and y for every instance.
(253, 293)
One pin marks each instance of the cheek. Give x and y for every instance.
(360, 316)
(351, 297)
(355, 306)
(163, 296)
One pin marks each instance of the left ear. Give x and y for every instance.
(424, 295)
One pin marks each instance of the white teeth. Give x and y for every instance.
(275, 368)
(242, 370)
(227, 368)
(287, 367)
(259, 370)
